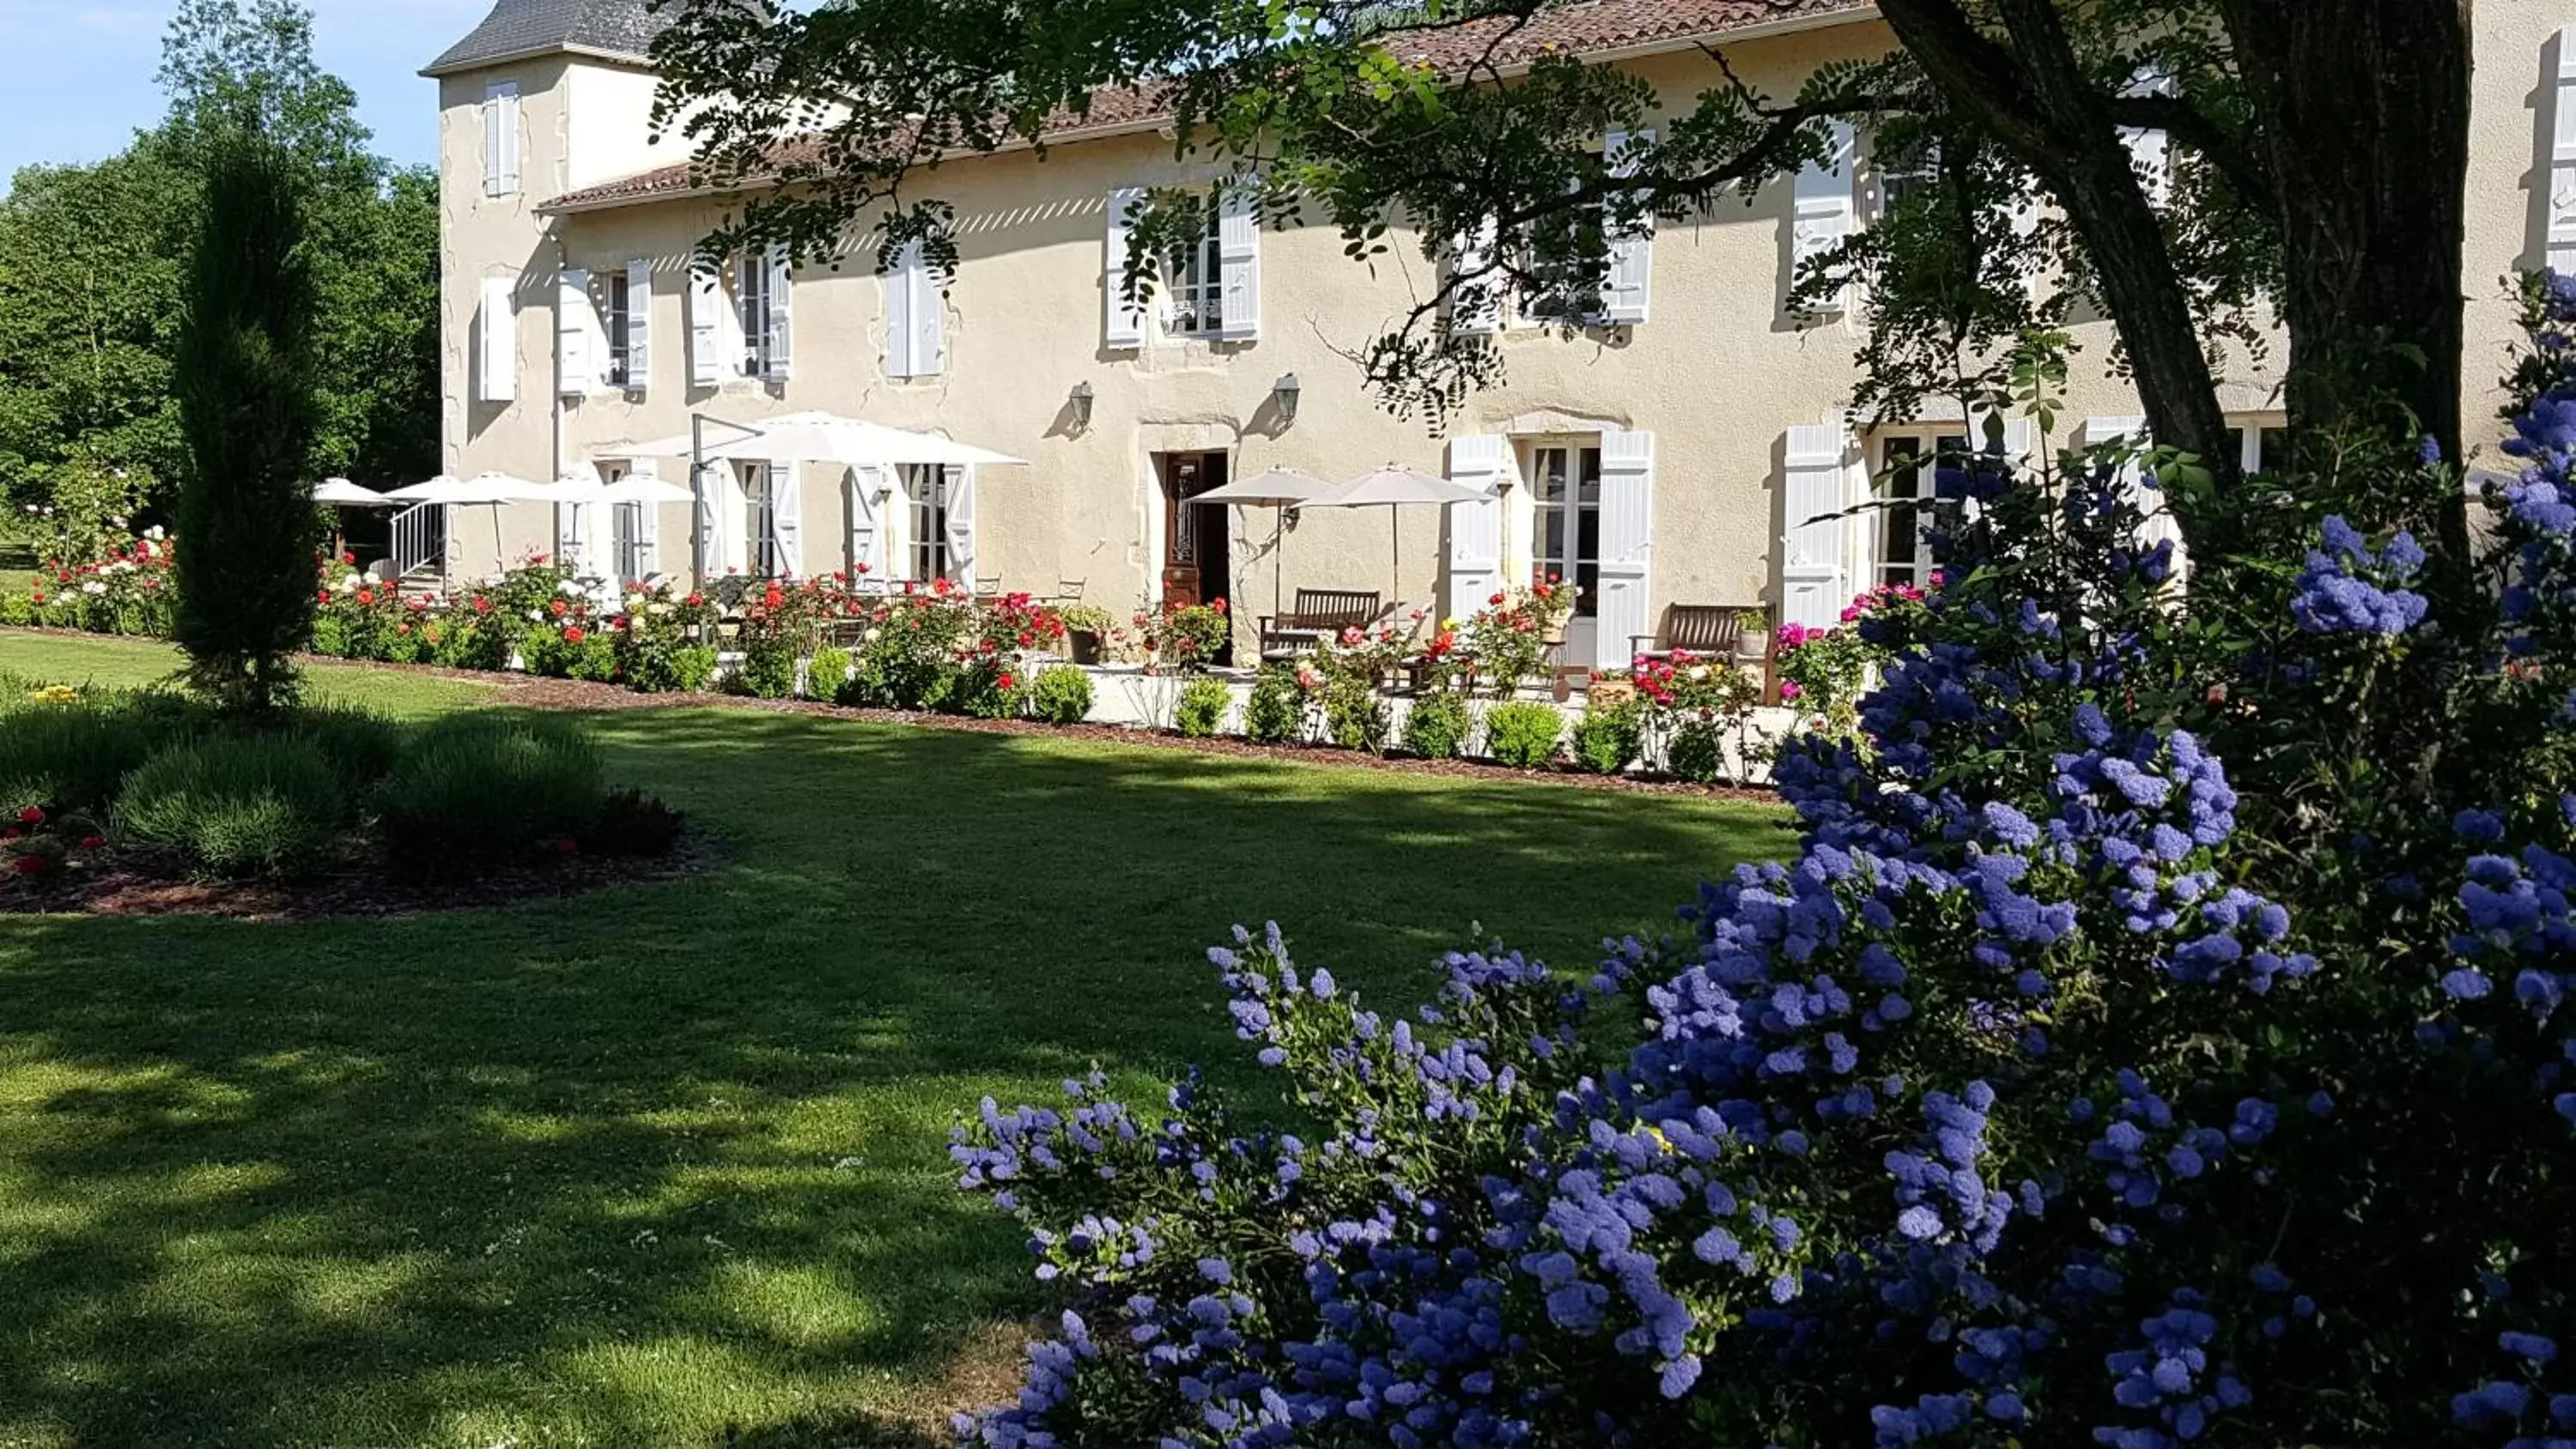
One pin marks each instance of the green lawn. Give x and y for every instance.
(666, 1165)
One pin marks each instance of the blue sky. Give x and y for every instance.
(76, 75)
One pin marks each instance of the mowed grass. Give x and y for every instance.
(666, 1165)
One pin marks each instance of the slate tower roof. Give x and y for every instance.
(516, 29)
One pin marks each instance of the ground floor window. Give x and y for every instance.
(767, 561)
(2260, 448)
(1566, 484)
(925, 490)
(1903, 556)
(627, 538)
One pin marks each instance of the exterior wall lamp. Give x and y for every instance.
(1081, 398)
(1284, 392)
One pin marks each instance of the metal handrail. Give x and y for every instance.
(420, 540)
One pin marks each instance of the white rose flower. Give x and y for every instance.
(121, 566)
(93, 587)
(634, 602)
(1699, 671)
(535, 617)
(349, 583)
(566, 588)
(658, 610)
(874, 635)
(155, 533)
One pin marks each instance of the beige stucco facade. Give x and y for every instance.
(1715, 379)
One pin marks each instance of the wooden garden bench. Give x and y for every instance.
(1710, 631)
(1320, 615)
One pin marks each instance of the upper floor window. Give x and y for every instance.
(501, 138)
(617, 319)
(751, 297)
(1194, 284)
(1905, 170)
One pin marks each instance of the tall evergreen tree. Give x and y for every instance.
(247, 408)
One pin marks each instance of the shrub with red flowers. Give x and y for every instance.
(1349, 671)
(1507, 640)
(663, 639)
(1695, 703)
(1183, 638)
(119, 585)
(44, 847)
(1824, 671)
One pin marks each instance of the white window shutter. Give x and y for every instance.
(1825, 208)
(929, 322)
(787, 516)
(706, 553)
(706, 328)
(867, 544)
(1482, 312)
(498, 342)
(1481, 461)
(2150, 149)
(1125, 325)
(900, 332)
(575, 322)
(501, 138)
(1813, 585)
(1627, 547)
(961, 523)
(782, 313)
(639, 326)
(2561, 123)
(1238, 246)
(1626, 292)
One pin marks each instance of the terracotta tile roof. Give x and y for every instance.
(1589, 28)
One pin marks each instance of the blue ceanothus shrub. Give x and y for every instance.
(2158, 1038)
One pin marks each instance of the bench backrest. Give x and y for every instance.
(1339, 608)
(1704, 628)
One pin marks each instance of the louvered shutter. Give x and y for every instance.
(1627, 546)
(1481, 312)
(1238, 246)
(787, 516)
(1813, 584)
(960, 483)
(1825, 208)
(498, 325)
(501, 138)
(1125, 325)
(639, 326)
(2150, 149)
(706, 327)
(900, 333)
(2561, 123)
(1481, 461)
(575, 322)
(867, 544)
(929, 322)
(1632, 253)
(779, 341)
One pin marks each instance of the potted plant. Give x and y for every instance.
(1088, 629)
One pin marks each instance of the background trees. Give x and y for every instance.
(92, 260)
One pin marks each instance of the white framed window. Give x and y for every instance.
(760, 489)
(1565, 489)
(2260, 447)
(616, 318)
(925, 492)
(1194, 284)
(1903, 172)
(751, 299)
(1906, 462)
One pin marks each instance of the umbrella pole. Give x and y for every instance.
(1278, 558)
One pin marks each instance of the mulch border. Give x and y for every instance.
(537, 692)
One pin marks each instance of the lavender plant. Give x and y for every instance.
(2159, 1038)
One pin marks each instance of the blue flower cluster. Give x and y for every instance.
(2348, 588)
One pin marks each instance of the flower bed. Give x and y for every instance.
(138, 801)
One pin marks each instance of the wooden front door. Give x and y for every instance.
(1194, 535)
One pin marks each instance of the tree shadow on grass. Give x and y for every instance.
(666, 1163)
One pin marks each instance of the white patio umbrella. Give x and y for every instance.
(341, 493)
(483, 490)
(1395, 486)
(1279, 488)
(854, 442)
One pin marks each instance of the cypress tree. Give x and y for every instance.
(245, 380)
